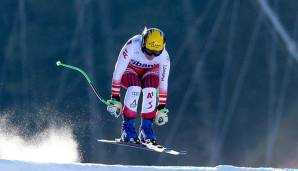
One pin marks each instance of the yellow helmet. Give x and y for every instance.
(153, 41)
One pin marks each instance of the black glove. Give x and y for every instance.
(117, 98)
(160, 106)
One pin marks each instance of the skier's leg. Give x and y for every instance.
(149, 84)
(131, 81)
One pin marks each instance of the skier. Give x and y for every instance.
(143, 65)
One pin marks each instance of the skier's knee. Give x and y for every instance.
(131, 101)
(149, 103)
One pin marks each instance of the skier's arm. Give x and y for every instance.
(115, 107)
(120, 67)
(161, 117)
(164, 71)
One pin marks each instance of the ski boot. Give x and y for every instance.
(129, 133)
(146, 132)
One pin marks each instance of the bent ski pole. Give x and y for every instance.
(59, 63)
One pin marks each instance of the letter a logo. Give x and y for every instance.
(124, 53)
(133, 104)
(150, 95)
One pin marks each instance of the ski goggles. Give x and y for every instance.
(152, 52)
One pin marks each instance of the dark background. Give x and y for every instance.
(232, 88)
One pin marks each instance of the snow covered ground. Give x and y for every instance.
(14, 165)
(40, 154)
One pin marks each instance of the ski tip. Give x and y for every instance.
(183, 152)
(102, 140)
(116, 140)
(176, 153)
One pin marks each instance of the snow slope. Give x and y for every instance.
(14, 165)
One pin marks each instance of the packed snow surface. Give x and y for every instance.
(14, 165)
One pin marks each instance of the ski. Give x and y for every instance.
(144, 146)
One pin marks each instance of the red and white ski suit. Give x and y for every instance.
(135, 72)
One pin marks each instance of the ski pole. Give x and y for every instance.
(59, 63)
